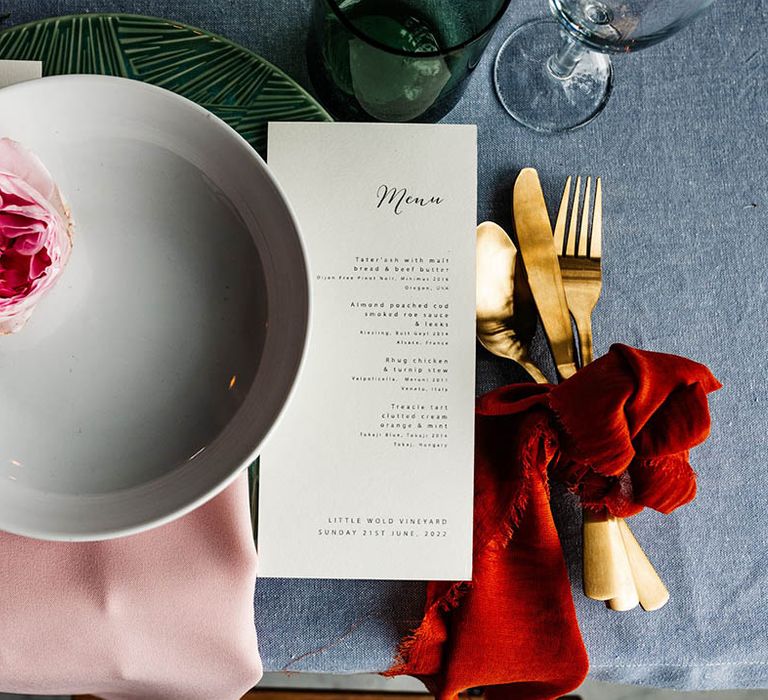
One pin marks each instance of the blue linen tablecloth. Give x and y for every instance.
(683, 150)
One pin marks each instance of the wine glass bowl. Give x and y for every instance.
(555, 75)
(619, 26)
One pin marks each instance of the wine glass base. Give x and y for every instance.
(534, 96)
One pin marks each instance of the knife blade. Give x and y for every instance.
(537, 247)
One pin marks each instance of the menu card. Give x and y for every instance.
(12, 72)
(369, 472)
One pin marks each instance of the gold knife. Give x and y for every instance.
(605, 555)
(536, 243)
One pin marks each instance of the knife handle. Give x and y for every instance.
(652, 592)
(607, 573)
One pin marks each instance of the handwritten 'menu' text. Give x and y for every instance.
(399, 199)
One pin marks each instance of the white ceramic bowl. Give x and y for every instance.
(151, 374)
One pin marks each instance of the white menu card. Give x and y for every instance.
(12, 72)
(369, 473)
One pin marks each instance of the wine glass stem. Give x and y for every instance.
(562, 64)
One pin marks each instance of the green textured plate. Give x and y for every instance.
(235, 84)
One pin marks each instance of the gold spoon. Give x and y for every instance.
(506, 321)
(505, 312)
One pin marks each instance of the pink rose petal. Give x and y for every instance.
(35, 234)
(18, 161)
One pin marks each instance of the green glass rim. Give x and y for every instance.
(488, 28)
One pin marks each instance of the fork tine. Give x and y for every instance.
(562, 217)
(596, 241)
(570, 241)
(584, 232)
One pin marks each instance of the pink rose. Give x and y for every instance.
(35, 234)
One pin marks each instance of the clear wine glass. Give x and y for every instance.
(555, 75)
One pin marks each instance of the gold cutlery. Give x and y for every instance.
(506, 320)
(607, 573)
(604, 554)
(579, 254)
(611, 552)
(505, 313)
(651, 590)
(534, 237)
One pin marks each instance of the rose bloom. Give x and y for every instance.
(35, 234)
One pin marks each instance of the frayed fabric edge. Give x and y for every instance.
(452, 598)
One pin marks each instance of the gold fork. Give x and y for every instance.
(579, 254)
(615, 566)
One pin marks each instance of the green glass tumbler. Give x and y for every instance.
(397, 60)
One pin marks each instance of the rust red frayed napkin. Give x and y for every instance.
(618, 434)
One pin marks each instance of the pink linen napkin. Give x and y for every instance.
(163, 615)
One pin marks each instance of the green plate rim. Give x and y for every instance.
(152, 18)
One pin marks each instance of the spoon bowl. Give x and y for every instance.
(505, 312)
